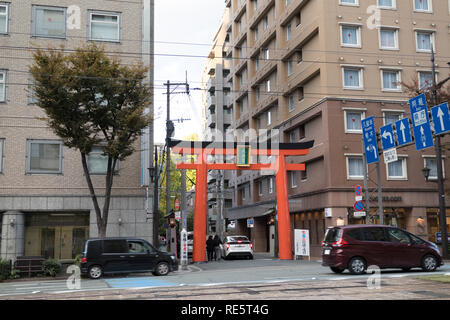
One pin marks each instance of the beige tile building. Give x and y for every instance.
(313, 69)
(45, 206)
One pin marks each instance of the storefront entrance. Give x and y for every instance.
(58, 235)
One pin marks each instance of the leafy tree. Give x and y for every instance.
(90, 100)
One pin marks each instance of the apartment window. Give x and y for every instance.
(355, 167)
(430, 163)
(293, 179)
(353, 121)
(271, 185)
(4, 18)
(288, 32)
(44, 156)
(425, 79)
(255, 5)
(266, 54)
(255, 34)
(290, 68)
(268, 85)
(49, 22)
(2, 153)
(350, 36)
(104, 26)
(386, 4)
(298, 18)
(269, 118)
(352, 78)
(291, 103)
(256, 64)
(97, 161)
(391, 117)
(349, 2)
(388, 39)
(301, 93)
(258, 93)
(2, 86)
(266, 22)
(32, 99)
(301, 132)
(292, 137)
(397, 170)
(260, 188)
(304, 174)
(422, 5)
(391, 80)
(424, 41)
(288, 2)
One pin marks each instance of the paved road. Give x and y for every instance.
(255, 279)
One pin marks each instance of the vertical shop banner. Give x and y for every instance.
(302, 243)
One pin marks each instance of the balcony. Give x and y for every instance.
(211, 121)
(307, 71)
(266, 36)
(227, 118)
(211, 85)
(211, 101)
(265, 102)
(302, 36)
(292, 9)
(227, 3)
(263, 8)
(263, 71)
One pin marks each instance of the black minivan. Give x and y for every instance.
(124, 255)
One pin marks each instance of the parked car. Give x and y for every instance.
(237, 246)
(124, 255)
(356, 247)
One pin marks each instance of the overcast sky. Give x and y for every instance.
(180, 21)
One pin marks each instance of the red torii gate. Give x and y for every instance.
(203, 149)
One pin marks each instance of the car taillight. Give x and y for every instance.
(228, 246)
(340, 243)
(239, 241)
(251, 245)
(83, 260)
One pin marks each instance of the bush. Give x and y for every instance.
(51, 267)
(14, 274)
(78, 260)
(5, 269)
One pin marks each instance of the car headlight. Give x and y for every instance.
(173, 258)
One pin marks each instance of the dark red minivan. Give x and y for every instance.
(356, 247)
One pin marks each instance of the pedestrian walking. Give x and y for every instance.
(210, 248)
(217, 248)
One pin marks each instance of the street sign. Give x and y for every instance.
(358, 190)
(370, 140)
(301, 242)
(441, 118)
(390, 155)
(358, 206)
(387, 137)
(177, 204)
(250, 223)
(178, 215)
(328, 212)
(421, 122)
(403, 132)
(359, 214)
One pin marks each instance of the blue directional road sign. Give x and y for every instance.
(387, 137)
(370, 140)
(421, 122)
(441, 118)
(403, 132)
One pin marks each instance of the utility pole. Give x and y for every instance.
(440, 180)
(156, 202)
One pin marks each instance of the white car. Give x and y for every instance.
(237, 246)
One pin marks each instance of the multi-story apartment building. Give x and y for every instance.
(218, 111)
(45, 207)
(313, 69)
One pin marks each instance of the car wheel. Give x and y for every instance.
(162, 269)
(429, 263)
(357, 265)
(250, 257)
(95, 272)
(337, 270)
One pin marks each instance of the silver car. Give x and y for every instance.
(237, 246)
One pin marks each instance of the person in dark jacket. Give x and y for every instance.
(217, 248)
(210, 248)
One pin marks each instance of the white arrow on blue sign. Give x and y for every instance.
(421, 122)
(441, 118)
(403, 131)
(387, 137)
(370, 140)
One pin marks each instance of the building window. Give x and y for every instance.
(422, 5)
(386, 4)
(397, 170)
(44, 156)
(4, 18)
(265, 22)
(255, 5)
(290, 68)
(288, 32)
(353, 121)
(268, 85)
(2, 86)
(104, 26)
(349, 2)
(2, 153)
(32, 99)
(425, 79)
(391, 80)
(355, 167)
(293, 179)
(352, 78)
(269, 118)
(430, 163)
(49, 22)
(255, 34)
(97, 162)
(350, 36)
(304, 173)
(266, 54)
(392, 117)
(388, 39)
(292, 137)
(424, 41)
(291, 103)
(260, 187)
(271, 185)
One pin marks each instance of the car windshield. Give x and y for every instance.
(332, 235)
(237, 239)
